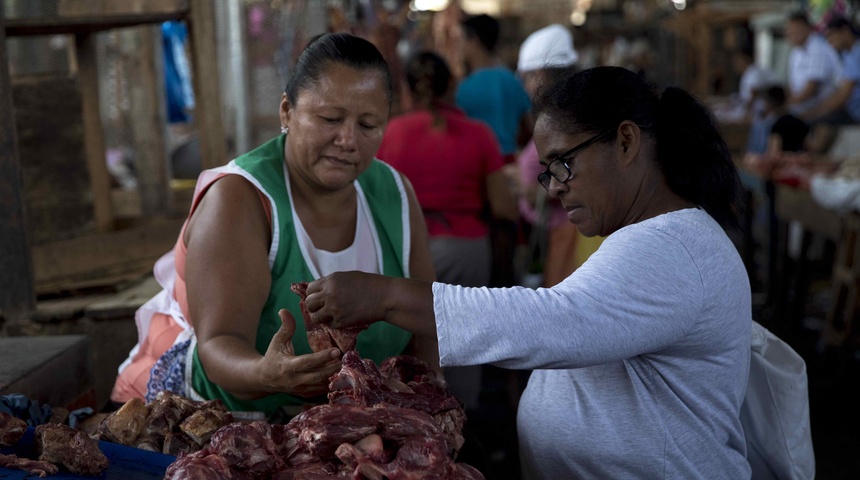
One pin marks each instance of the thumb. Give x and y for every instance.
(282, 341)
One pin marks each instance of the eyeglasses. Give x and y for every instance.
(558, 168)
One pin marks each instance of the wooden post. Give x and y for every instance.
(88, 77)
(17, 299)
(207, 92)
(146, 89)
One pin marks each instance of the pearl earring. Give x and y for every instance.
(285, 130)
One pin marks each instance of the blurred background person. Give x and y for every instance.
(842, 106)
(493, 94)
(788, 133)
(544, 55)
(813, 65)
(754, 80)
(455, 167)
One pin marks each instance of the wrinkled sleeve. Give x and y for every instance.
(640, 292)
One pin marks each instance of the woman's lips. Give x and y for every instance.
(572, 212)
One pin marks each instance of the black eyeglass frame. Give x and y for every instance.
(545, 177)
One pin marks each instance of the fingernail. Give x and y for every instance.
(335, 353)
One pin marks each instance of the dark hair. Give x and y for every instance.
(428, 77)
(775, 96)
(342, 48)
(838, 23)
(483, 27)
(799, 17)
(691, 153)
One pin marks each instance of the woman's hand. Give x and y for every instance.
(347, 299)
(282, 371)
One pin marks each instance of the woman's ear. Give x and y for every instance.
(284, 111)
(630, 138)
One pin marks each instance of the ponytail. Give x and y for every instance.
(429, 77)
(694, 157)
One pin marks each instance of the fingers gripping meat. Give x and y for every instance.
(321, 336)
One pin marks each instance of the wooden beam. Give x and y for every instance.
(82, 260)
(100, 180)
(88, 16)
(207, 92)
(146, 92)
(16, 280)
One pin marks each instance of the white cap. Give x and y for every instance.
(549, 47)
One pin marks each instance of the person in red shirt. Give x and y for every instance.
(455, 166)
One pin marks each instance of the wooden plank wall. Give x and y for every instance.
(16, 280)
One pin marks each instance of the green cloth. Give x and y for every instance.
(265, 165)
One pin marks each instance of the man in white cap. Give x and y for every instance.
(543, 55)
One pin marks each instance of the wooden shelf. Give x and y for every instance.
(87, 16)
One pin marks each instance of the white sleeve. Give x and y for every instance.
(641, 291)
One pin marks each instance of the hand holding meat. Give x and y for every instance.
(347, 299)
(303, 375)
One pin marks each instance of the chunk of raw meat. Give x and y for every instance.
(124, 425)
(11, 429)
(72, 449)
(413, 372)
(202, 465)
(178, 442)
(248, 447)
(321, 336)
(200, 425)
(34, 467)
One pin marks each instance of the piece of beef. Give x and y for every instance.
(72, 449)
(200, 425)
(325, 427)
(310, 471)
(178, 442)
(321, 336)
(464, 471)
(413, 372)
(33, 467)
(360, 382)
(419, 458)
(248, 447)
(11, 429)
(203, 465)
(124, 425)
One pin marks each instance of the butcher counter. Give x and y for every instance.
(53, 370)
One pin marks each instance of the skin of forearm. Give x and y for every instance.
(409, 305)
(234, 365)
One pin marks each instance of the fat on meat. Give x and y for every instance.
(33, 467)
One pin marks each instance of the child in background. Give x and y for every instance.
(788, 133)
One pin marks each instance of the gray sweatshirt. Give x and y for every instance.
(641, 356)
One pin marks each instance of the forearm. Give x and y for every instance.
(409, 305)
(234, 365)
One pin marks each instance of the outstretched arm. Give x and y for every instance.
(343, 299)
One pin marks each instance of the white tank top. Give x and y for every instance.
(361, 255)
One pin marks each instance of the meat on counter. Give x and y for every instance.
(11, 429)
(70, 448)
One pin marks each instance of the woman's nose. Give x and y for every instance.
(346, 136)
(556, 188)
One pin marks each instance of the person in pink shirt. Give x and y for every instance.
(455, 166)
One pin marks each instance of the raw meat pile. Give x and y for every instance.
(397, 422)
(170, 424)
(56, 445)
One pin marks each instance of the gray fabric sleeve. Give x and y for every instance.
(640, 292)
